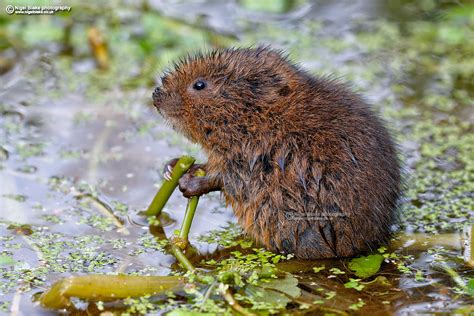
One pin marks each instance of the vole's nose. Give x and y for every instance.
(157, 97)
(157, 93)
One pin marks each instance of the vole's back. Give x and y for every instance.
(326, 188)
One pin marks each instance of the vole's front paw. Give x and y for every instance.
(189, 184)
(168, 169)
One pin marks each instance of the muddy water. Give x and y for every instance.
(60, 144)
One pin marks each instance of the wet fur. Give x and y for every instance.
(306, 165)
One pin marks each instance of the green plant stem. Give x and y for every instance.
(234, 304)
(168, 186)
(105, 210)
(453, 274)
(180, 256)
(183, 236)
(190, 211)
(469, 246)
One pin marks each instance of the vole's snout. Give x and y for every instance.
(156, 93)
(166, 101)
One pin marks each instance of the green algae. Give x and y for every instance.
(229, 236)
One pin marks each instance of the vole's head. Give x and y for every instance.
(226, 96)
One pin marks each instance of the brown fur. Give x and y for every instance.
(306, 165)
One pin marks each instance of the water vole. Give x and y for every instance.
(306, 165)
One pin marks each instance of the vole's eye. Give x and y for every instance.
(199, 85)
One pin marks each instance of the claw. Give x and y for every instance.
(168, 169)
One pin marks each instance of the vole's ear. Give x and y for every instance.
(279, 84)
(280, 71)
(284, 91)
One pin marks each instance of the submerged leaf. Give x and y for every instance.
(358, 305)
(273, 291)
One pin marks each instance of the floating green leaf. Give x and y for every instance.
(336, 271)
(470, 287)
(365, 267)
(354, 284)
(183, 312)
(317, 269)
(6, 260)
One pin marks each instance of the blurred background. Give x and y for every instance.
(80, 139)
